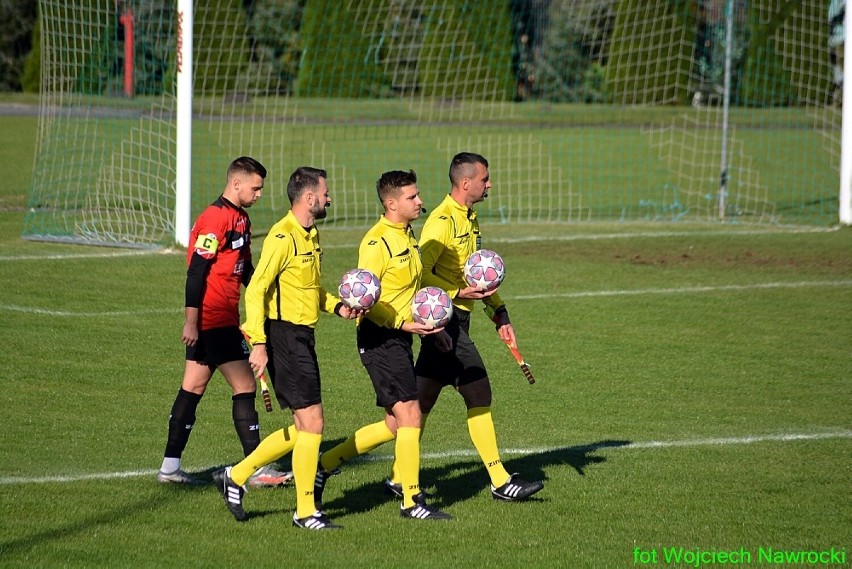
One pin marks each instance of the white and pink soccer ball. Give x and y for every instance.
(359, 288)
(484, 269)
(432, 306)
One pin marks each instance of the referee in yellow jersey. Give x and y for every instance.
(283, 302)
(385, 333)
(449, 236)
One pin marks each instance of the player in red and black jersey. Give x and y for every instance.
(219, 261)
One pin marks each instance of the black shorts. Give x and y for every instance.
(389, 359)
(459, 366)
(293, 365)
(218, 346)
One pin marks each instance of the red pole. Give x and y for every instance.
(126, 20)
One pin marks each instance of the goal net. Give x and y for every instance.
(587, 110)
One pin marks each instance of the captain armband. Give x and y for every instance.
(206, 245)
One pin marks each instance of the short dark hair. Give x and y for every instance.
(303, 178)
(460, 163)
(246, 165)
(390, 183)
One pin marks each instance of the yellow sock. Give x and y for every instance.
(481, 428)
(394, 468)
(363, 441)
(305, 471)
(407, 454)
(269, 450)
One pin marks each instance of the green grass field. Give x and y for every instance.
(693, 392)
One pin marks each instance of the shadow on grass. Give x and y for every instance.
(451, 483)
(283, 464)
(464, 479)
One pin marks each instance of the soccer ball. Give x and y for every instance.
(432, 306)
(359, 288)
(484, 269)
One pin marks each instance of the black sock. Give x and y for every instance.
(246, 421)
(181, 420)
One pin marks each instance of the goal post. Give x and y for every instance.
(183, 146)
(587, 110)
(845, 199)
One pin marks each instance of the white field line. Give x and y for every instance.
(67, 313)
(640, 234)
(604, 446)
(524, 239)
(75, 256)
(682, 290)
(580, 294)
(631, 235)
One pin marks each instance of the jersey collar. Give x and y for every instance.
(228, 202)
(304, 233)
(398, 226)
(459, 208)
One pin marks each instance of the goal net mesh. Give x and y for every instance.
(587, 110)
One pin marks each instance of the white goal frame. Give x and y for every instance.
(183, 182)
(183, 166)
(119, 167)
(845, 198)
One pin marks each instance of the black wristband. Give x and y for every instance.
(501, 317)
(337, 308)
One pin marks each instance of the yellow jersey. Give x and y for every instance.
(390, 251)
(450, 235)
(286, 280)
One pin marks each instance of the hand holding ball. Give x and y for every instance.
(432, 306)
(359, 289)
(484, 269)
